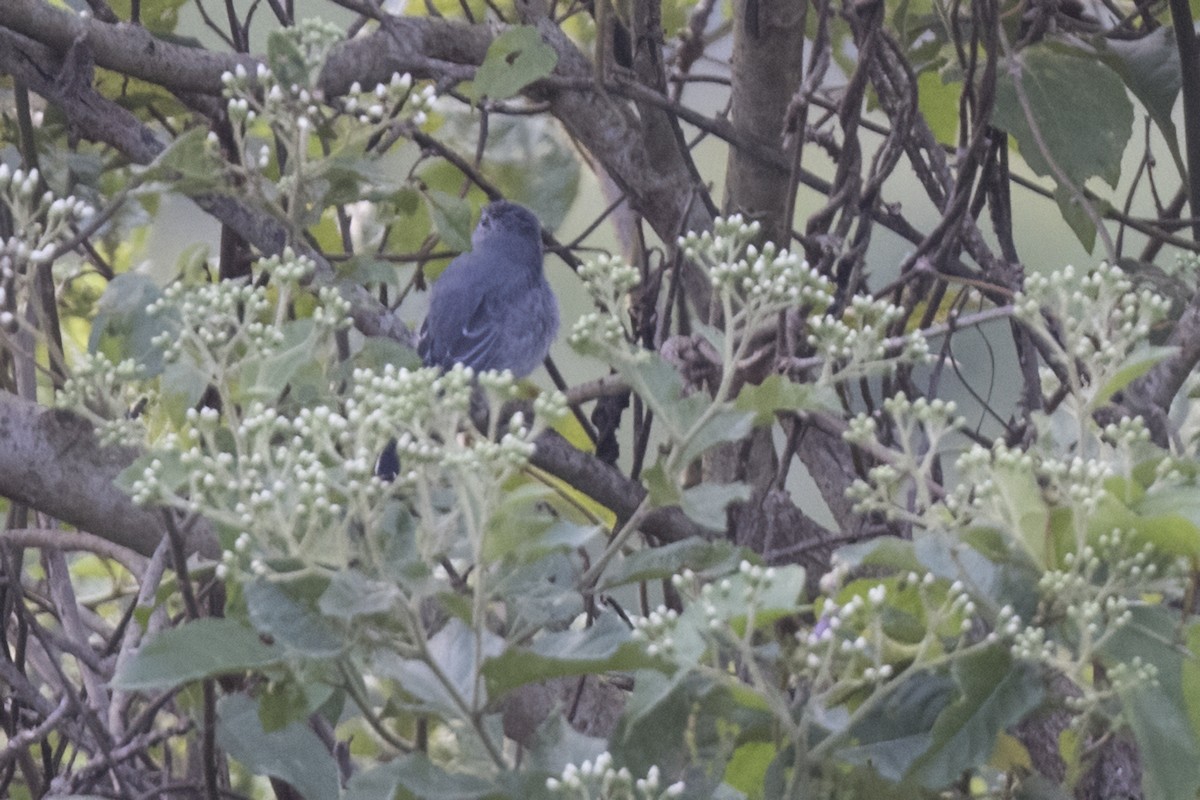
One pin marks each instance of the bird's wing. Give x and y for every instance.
(467, 336)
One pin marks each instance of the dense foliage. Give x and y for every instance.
(777, 538)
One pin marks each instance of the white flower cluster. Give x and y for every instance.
(41, 223)
(107, 394)
(856, 343)
(220, 324)
(608, 281)
(760, 282)
(386, 100)
(918, 429)
(1098, 320)
(294, 105)
(601, 780)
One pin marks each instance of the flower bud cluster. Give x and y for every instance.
(106, 393)
(385, 101)
(856, 343)
(608, 280)
(601, 779)
(1099, 319)
(657, 630)
(758, 282)
(293, 103)
(41, 222)
(919, 428)
(223, 321)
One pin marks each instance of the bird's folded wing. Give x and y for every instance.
(470, 338)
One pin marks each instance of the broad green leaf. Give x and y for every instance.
(782, 597)
(452, 218)
(188, 164)
(777, 393)
(293, 754)
(283, 702)
(1028, 515)
(603, 647)
(557, 744)
(285, 59)
(1051, 80)
(1076, 217)
(1189, 677)
(1169, 519)
(123, 329)
(895, 734)
(723, 426)
(287, 611)
(747, 767)
(265, 378)
(415, 776)
(516, 142)
(1159, 713)
(661, 489)
(456, 652)
(705, 504)
(1135, 366)
(995, 693)
(522, 527)
(703, 557)
(938, 101)
(515, 59)
(205, 648)
(352, 594)
(1149, 65)
(157, 16)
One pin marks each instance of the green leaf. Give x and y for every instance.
(656, 563)
(522, 527)
(723, 426)
(1149, 65)
(1076, 217)
(1136, 365)
(1159, 713)
(123, 329)
(747, 768)
(995, 693)
(516, 142)
(287, 611)
(1169, 519)
(415, 776)
(452, 218)
(188, 164)
(157, 16)
(938, 100)
(1051, 79)
(516, 58)
(455, 651)
(705, 504)
(285, 59)
(603, 647)
(293, 754)
(352, 594)
(660, 488)
(557, 744)
(894, 735)
(265, 378)
(777, 393)
(205, 648)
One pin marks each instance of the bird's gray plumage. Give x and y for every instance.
(492, 308)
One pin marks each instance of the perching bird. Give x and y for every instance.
(492, 308)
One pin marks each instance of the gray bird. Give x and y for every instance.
(492, 308)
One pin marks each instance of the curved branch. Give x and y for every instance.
(50, 460)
